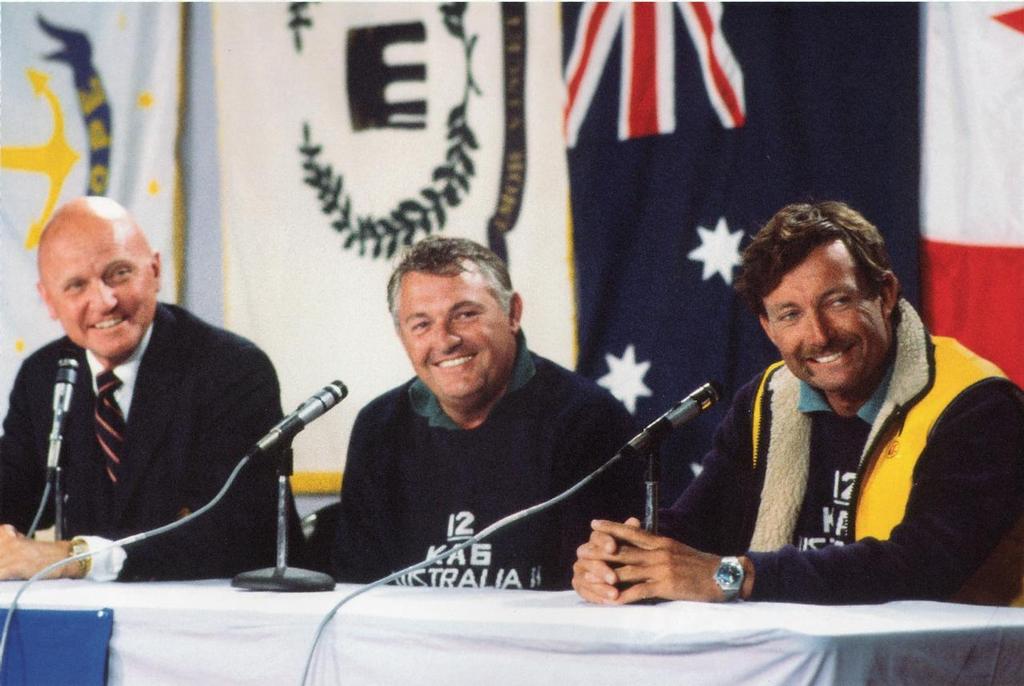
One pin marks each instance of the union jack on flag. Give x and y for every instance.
(647, 96)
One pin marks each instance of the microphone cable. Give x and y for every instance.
(123, 543)
(493, 528)
(680, 413)
(294, 423)
(42, 507)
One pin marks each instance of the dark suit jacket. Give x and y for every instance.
(202, 397)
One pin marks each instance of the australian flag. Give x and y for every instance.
(688, 126)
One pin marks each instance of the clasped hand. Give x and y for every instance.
(622, 563)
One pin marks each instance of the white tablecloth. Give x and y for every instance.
(209, 633)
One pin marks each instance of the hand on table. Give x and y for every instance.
(652, 567)
(21, 557)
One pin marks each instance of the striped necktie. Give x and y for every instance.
(109, 422)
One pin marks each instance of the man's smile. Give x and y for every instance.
(835, 353)
(454, 362)
(826, 359)
(108, 323)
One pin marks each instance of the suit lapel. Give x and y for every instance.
(153, 401)
(80, 429)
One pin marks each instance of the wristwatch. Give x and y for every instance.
(78, 546)
(729, 577)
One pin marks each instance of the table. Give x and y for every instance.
(208, 633)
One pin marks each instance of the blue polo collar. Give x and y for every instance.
(813, 400)
(426, 404)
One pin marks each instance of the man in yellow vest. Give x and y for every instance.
(875, 462)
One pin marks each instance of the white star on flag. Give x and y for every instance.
(719, 251)
(625, 378)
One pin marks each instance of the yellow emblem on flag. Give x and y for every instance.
(55, 158)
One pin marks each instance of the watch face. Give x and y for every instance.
(729, 574)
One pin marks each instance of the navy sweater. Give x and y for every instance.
(968, 490)
(411, 489)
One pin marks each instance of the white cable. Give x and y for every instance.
(39, 511)
(500, 524)
(124, 542)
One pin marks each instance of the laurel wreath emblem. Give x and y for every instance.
(428, 211)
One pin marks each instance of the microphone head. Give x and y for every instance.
(705, 396)
(337, 389)
(712, 391)
(67, 370)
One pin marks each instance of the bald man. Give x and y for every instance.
(149, 444)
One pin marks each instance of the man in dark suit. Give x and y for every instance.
(152, 443)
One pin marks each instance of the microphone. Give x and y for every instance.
(680, 413)
(285, 430)
(67, 374)
(281, 577)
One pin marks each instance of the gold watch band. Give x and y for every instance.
(79, 546)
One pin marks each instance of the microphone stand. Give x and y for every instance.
(58, 505)
(651, 480)
(67, 376)
(283, 578)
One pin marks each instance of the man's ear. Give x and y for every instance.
(889, 292)
(515, 312)
(763, 319)
(155, 266)
(46, 300)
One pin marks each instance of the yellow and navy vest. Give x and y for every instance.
(887, 474)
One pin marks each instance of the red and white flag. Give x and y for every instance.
(972, 257)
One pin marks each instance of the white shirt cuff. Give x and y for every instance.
(107, 561)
